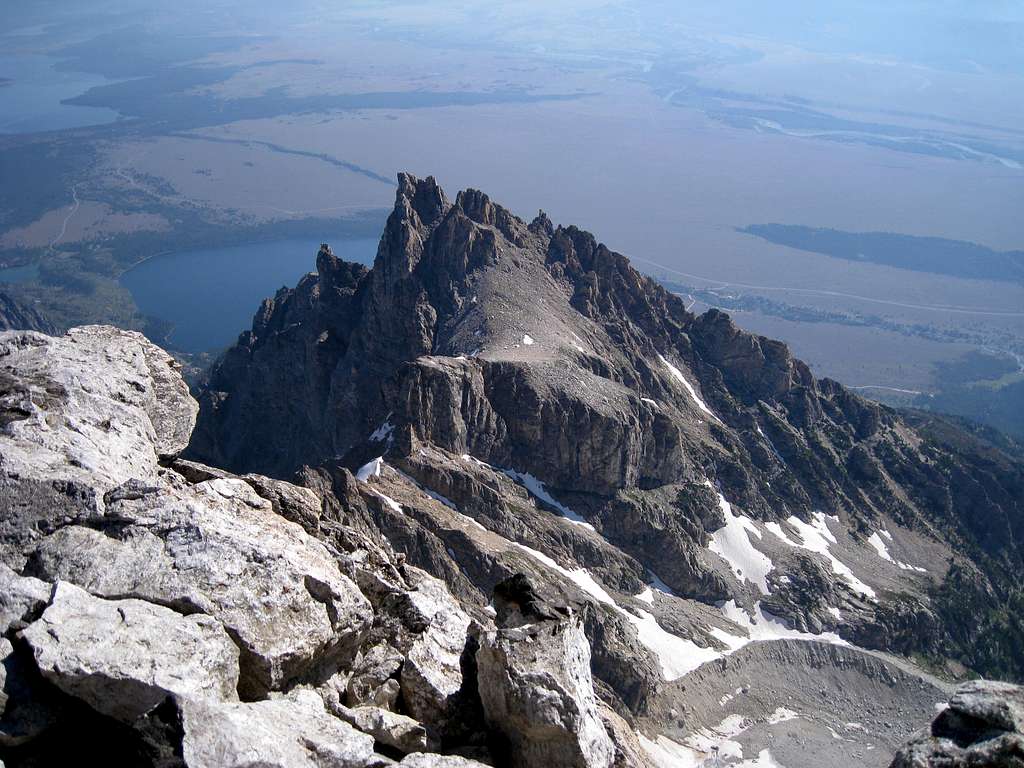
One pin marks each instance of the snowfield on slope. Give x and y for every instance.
(732, 543)
(816, 537)
(678, 376)
(879, 545)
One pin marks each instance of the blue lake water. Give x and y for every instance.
(32, 100)
(211, 295)
(19, 274)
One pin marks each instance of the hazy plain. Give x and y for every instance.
(662, 128)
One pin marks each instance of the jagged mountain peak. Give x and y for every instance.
(482, 347)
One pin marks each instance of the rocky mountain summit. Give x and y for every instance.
(499, 500)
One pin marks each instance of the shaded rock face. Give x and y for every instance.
(982, 726)
(543, 356)
(15, 316)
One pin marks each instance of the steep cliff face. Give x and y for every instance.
(17, 316)
(502, 364)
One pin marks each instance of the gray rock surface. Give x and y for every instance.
(141, 593)
(543, 412)
(204, 548)
(389, 728)
(374, 678)
(22, 599)
(291, 732)
(124, 657)
(537, 692)
(983, 727)
(431, 676)
(97, 404)
(439, 761)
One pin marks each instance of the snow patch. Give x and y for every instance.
(732, 544)
(689, 388)
(817, 537)
(665, 753)
(383, 432)
(718, 740)
(776, 530)
(676, 656)
(781, 715)
(764, 759)
(647, 596)
(660, 585)
(389, 501)
(536, 487)
(441, 498)
(580, 577)
(370, 469)
(875, 540)
(764, 626)
(527, 339)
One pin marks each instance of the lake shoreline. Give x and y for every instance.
(208, 296)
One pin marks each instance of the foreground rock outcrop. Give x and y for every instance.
(982, 727)
(537, 692)
(124, 657)
(186, 616)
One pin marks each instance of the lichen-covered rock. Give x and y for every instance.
(389, 728)
(124, 657)
(983, 727)
(537, 693)
(421, 760)
(22, 599)
(290, 732)
(97, 404)
(218, 547)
